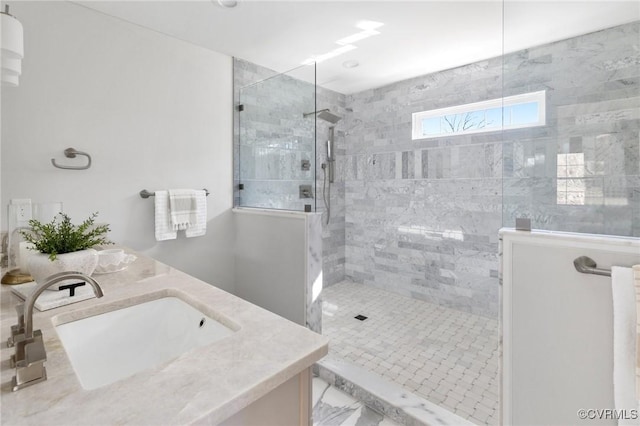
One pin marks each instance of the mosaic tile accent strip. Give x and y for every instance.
(446, 356)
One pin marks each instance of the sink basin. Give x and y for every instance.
(114, 345)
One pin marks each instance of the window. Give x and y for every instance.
(577, 184)
(570, 183)
(512, 112)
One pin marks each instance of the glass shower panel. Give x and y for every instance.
(277, 142)
(580, 170)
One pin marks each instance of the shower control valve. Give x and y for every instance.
(305, 191)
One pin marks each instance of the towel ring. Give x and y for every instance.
(71, 153)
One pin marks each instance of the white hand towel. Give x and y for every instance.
(182, 205)
(200, 227)
(164, 230)
(624, 342)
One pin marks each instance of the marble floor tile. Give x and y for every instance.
(332, 407)
(448, 357)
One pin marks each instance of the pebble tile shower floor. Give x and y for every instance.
(446, 356)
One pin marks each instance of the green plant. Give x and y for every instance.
(62, 236)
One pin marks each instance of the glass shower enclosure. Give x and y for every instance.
(275, 138)
(580, 171)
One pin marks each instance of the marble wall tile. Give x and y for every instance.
(442, 230)
(593, 115)
(408, 166)
(314, 272)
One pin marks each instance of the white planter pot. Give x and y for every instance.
(40, 267)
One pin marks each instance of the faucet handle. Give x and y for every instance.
(20, 312)
(17, 336)
(30, 369)
(17, 331)
(34, 351)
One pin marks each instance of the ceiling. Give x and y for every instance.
(418, 37)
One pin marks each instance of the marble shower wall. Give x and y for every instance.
(333, 242)
(422, 216)
(581, 172)
(273, 138)
(280, 192)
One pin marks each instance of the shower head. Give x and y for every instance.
(325, 115)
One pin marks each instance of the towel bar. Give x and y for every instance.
(586, 265)
(146, 194)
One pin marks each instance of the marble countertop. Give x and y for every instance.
(205, 385)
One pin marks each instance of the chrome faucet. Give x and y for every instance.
(30, 354)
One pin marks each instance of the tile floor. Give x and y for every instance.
(446, 356)
(332, 407)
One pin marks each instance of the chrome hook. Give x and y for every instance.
(71, 153)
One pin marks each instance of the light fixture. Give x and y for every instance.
(228, 3)
(12, 48)
(335, 52)
(351, 64)
(346, 43)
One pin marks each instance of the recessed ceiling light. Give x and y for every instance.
(350, 64)
(228, 3)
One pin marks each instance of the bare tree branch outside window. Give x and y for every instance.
(462, 122)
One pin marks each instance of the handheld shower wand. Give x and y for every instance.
(330, 158)
(328, 168)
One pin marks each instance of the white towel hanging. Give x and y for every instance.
(164, 229)
(624, 341)
(182, 205)
(200, 227)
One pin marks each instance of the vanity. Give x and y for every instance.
(254, 368)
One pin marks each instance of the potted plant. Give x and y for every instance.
(63, 246)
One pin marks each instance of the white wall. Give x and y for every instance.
(558, 326)
(154, 112)
(271, 257)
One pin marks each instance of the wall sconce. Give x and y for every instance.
(12, 48)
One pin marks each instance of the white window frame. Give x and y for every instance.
(538, 97)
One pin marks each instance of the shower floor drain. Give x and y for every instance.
(360, 317)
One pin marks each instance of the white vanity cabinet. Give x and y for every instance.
(288, 404)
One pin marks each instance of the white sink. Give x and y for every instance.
(112, 346)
